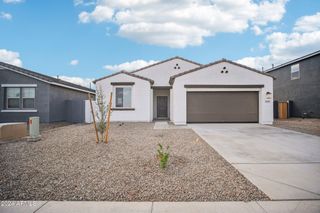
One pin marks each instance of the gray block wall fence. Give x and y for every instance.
(59, 98)
(75, 112)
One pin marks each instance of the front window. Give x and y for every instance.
(295, 72)
(20, 97)
(123, 97)
(28, 95)
(13, 98)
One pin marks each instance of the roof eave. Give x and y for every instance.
(127, 73)
(172, 78)
(163, 61)
(294, 61)
(87, 90)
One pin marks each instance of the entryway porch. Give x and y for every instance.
(161, 103)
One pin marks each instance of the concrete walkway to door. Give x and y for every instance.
(284, 164)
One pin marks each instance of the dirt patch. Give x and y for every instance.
(307, 125)
(67, 164)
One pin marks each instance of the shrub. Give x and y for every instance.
(163, 156)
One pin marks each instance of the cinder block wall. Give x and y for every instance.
(304, 92)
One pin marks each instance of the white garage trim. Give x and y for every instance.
(222, 106)
(221, 89)
(259, 90)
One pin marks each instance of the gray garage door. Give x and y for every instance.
(222, 107)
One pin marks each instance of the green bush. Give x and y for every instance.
(163, 156)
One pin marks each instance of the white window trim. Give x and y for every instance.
(19, 85)
(222, 89)
(19, 110)
(115, 96)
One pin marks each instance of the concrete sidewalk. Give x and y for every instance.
(161, 207)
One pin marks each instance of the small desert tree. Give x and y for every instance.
(101, 113)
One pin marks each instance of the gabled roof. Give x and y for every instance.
(127, 73)
(45, 78)
(172, 78)
(169, 59)
(294, 61)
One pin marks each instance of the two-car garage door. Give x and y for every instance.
(240, 106)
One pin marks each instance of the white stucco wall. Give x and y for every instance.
(161, 73)
(141, 98)
(212, 76)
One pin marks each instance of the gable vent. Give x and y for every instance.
(176, 67)
(224, 70)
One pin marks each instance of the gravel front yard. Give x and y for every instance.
(53, 125)
(68, 165)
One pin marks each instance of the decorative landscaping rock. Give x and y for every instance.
(67, 164)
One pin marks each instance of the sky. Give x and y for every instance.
(81, 40)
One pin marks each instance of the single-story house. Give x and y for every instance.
(184, 91)
(298, 81)
(24, 93)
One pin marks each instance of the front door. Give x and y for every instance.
(162, 106)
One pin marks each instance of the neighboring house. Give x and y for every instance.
(299, 81)
(183, 92)
(25, 93)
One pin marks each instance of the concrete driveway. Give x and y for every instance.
(284, 164)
